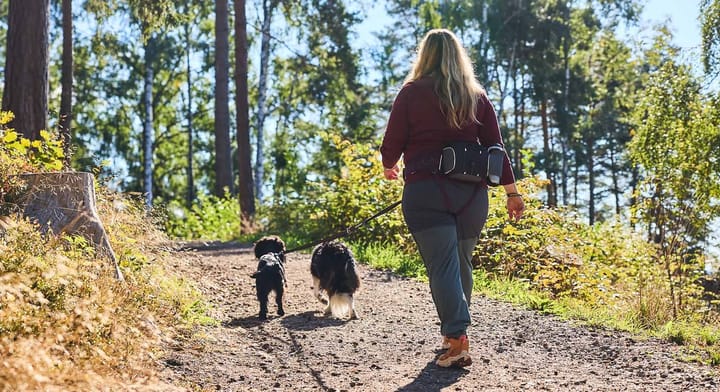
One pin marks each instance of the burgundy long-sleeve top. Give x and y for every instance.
(418, 129)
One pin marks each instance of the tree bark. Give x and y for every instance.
(190, 197)
(590, 148)
(268, 9)
(26, 66)
(565, 127)
(66, 80)
(148, 123)
(223, 163)
(564, 172)
(552, 198)
(614, 175)
(64, 203)
(247, 199)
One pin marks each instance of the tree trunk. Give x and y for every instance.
(247, 199)
(268, 9)
(64, 203)
(634, 181)
(565, 122)
(223, 163)
(551, 200)
(515, 153)
(26, 66)
(521, 129)
(190, 198)
(576, 181)
(483, 45)
(564, 172)
(590, 148)
(615, 181)
(66, 80)
(148, 122)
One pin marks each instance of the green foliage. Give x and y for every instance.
(390, 257)
(317, 88)
(109, 66)
(19, 154)
(710, 26)
(676, 144)
(152, 15)
(556, 253)
(211, 217)
(329, 205)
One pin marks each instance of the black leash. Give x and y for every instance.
(347, 231)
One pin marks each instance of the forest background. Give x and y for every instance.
(615, 137)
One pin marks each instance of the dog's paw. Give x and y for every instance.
(280, 312)
(262, 316)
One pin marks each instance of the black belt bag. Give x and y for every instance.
(472, 162)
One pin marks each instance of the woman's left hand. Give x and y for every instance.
(392, 174)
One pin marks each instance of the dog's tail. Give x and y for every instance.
(341, 304)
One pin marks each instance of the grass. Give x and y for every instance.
(67, 324)
(389, 258)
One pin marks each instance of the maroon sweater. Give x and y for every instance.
(418, 129)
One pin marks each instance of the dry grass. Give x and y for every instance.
(66, 324)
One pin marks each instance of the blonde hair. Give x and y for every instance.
(442, 57)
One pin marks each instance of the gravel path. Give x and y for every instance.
(394, 343)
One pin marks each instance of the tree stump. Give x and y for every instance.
(64, 203)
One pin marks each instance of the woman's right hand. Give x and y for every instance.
(392, 174)
(515, 207)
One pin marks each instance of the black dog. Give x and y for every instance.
(269, 244)
(270, 274)
(333, 270)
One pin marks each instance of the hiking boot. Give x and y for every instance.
(458, 355)
(445, 343)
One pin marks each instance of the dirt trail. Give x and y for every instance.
(394, 343)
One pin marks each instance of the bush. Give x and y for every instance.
(21, 155)
(330, 205)
(603, 265)
(211, 217)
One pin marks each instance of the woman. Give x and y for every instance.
(440, 102)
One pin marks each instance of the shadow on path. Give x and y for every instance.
(305, 321)
(229, 247)
(245, 322)
(308, 321)
(433, 379)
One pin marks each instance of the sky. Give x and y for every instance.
(683, 17)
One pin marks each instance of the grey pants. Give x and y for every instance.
(445, 218)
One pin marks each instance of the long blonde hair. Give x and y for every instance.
(442, 57)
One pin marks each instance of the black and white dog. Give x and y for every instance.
(333, 270)
(270, 274)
